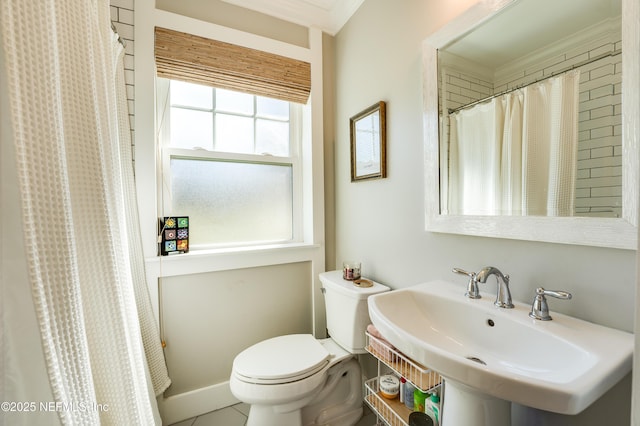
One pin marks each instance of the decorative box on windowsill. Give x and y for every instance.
(174, 233)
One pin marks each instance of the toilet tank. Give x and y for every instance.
(347, 310)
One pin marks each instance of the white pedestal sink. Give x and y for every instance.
(467, 406)
(490, 356)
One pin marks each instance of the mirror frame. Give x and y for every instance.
(619, 233)
(380, 109)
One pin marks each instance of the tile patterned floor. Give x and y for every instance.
(236, 415)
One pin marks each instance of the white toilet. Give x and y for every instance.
(297, 380)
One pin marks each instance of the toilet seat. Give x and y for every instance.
(282, 359)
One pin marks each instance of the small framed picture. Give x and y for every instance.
(368, 143)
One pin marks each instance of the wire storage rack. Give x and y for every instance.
(392, 411)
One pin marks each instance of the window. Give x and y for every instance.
(230, 161)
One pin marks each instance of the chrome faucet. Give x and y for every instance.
(540, 308)
(503, 295)
(472, 288)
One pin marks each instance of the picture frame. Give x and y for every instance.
(368, 143)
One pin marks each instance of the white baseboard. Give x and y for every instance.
(183, 406)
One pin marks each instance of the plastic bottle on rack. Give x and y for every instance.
(408, 395)
(432, 408)
(419, 400)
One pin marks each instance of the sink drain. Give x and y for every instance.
(476, 359)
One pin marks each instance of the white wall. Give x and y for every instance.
(209, 318)
(381, 222)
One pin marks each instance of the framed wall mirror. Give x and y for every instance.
(368, 143)
(484, 171)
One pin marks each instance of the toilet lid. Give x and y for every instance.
(282, 359)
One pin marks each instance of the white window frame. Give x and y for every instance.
(312, 247)
(293, 159)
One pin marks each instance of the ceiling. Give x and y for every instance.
(328, 15)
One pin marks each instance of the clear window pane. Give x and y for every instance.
(236, 102)
(272, 108)
(272, 137)
(234, 134)
(189, 94)
(191, 128)
(233, 202)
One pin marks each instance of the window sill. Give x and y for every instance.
(211, 260)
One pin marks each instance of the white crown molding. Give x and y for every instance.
(602, 30)
(341, 11)
(327, 15)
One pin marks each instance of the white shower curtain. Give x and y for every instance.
(550, 146)
(62, 61)
(148, 326)
(475, 146)
(511, 155)
(516, 154)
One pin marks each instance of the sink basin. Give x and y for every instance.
(561, 366)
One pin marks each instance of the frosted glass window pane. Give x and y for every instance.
(272, 137)
(236, 102)
(189, 94)
(234, 134)
(272, 108)
(229, 202)
(191, 128)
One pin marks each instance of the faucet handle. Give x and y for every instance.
(558, 294)
(472, 287)
(540, 308)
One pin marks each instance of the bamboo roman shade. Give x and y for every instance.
(194, 59)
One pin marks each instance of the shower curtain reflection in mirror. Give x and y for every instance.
(516, 154)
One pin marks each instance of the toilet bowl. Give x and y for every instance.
(280, 377)
(297, 380)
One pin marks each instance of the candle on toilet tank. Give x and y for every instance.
(351, 270)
